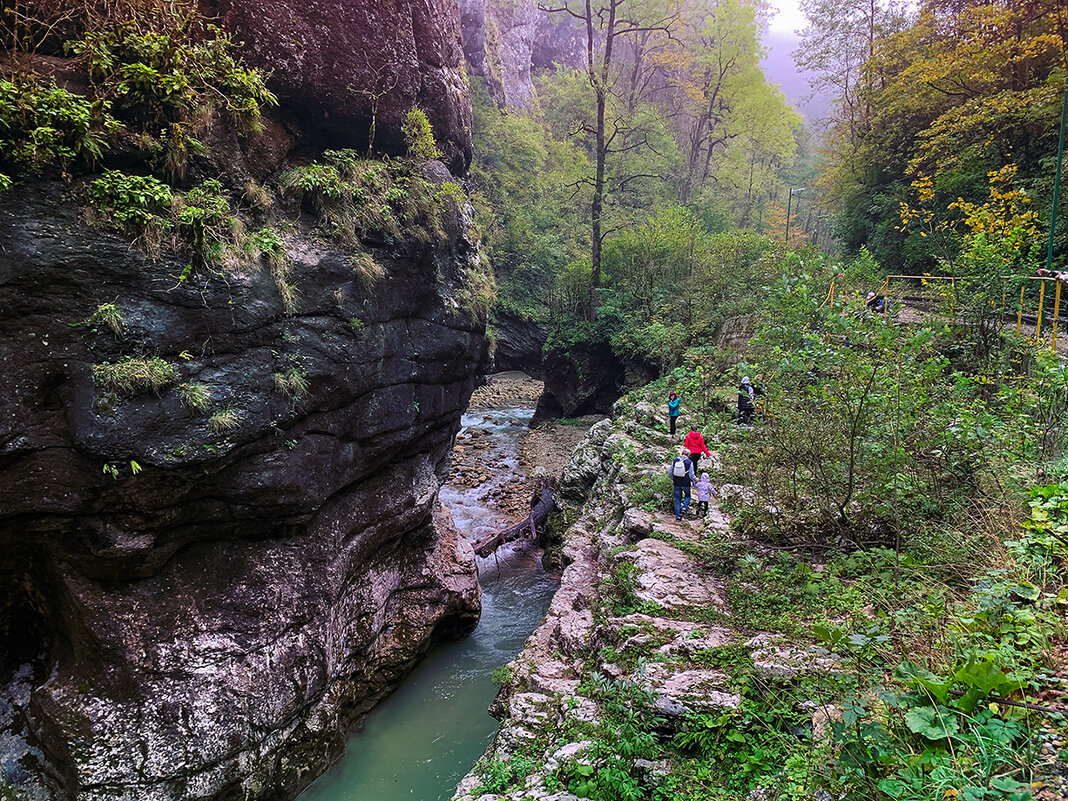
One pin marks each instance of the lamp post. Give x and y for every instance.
(789, 202)
(1057, 180)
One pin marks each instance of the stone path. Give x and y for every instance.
(613, 535)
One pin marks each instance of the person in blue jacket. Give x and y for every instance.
(673, 411)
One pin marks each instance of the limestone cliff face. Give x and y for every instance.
(504, 41)
(210, 625)
(195, 606)
(337, 63)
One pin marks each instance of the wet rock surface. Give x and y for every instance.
(519, 342)
(202, 610)
(336, 64)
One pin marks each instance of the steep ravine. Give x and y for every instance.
(426, 735)
(634, 606)
(197, 603)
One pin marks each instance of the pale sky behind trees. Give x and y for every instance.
(788, 18)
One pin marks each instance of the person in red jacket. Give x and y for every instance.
(695, 444)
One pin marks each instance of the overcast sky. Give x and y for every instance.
(789, 17)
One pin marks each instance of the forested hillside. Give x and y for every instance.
(929, 106)
(635, 175)
(880, 611)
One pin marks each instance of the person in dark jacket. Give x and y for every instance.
(682, 477)
(746, 405)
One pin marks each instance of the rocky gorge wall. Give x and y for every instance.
(506, 42)
(198, 599)
(336, 64)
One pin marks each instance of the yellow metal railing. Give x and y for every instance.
(1022, 308)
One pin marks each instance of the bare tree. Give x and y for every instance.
(607, 23)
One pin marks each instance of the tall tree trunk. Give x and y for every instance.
(596, 207)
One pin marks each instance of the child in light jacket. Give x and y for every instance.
(705, 491)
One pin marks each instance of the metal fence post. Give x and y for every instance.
(1019, 311)
(1041, 303)
(1056, 313)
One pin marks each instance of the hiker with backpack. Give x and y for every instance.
(746, 402)
(705, 491)
(682, 477)
(695, 446)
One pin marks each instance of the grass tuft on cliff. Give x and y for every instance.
(225, 419)
(134, 375)
(107, 315)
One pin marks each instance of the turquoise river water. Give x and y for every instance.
(426, 736)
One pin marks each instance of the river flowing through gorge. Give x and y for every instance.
(426, 736)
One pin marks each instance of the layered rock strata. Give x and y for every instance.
(200, 593)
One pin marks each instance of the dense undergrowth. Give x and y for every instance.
(898, 512)
(899, 518)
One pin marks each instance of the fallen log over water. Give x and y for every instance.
(539, 513)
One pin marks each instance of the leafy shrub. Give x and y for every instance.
(200, 220)
(871, 431)
(43, 125)
(169, 64)
(419, 136)
(267, 243)
(132, 203)
(204, 220)
(361, 199)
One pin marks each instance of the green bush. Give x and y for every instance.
(419, 136)
(205, 222)
(171, 65)
(359, 199)
(108, 316)
(201, 220)
(138, 205)
(44, 126)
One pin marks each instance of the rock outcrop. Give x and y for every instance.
(519, 342)
(506, 41)
(198, 602)
(338, 64)
(220, 538)
(588, 378)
